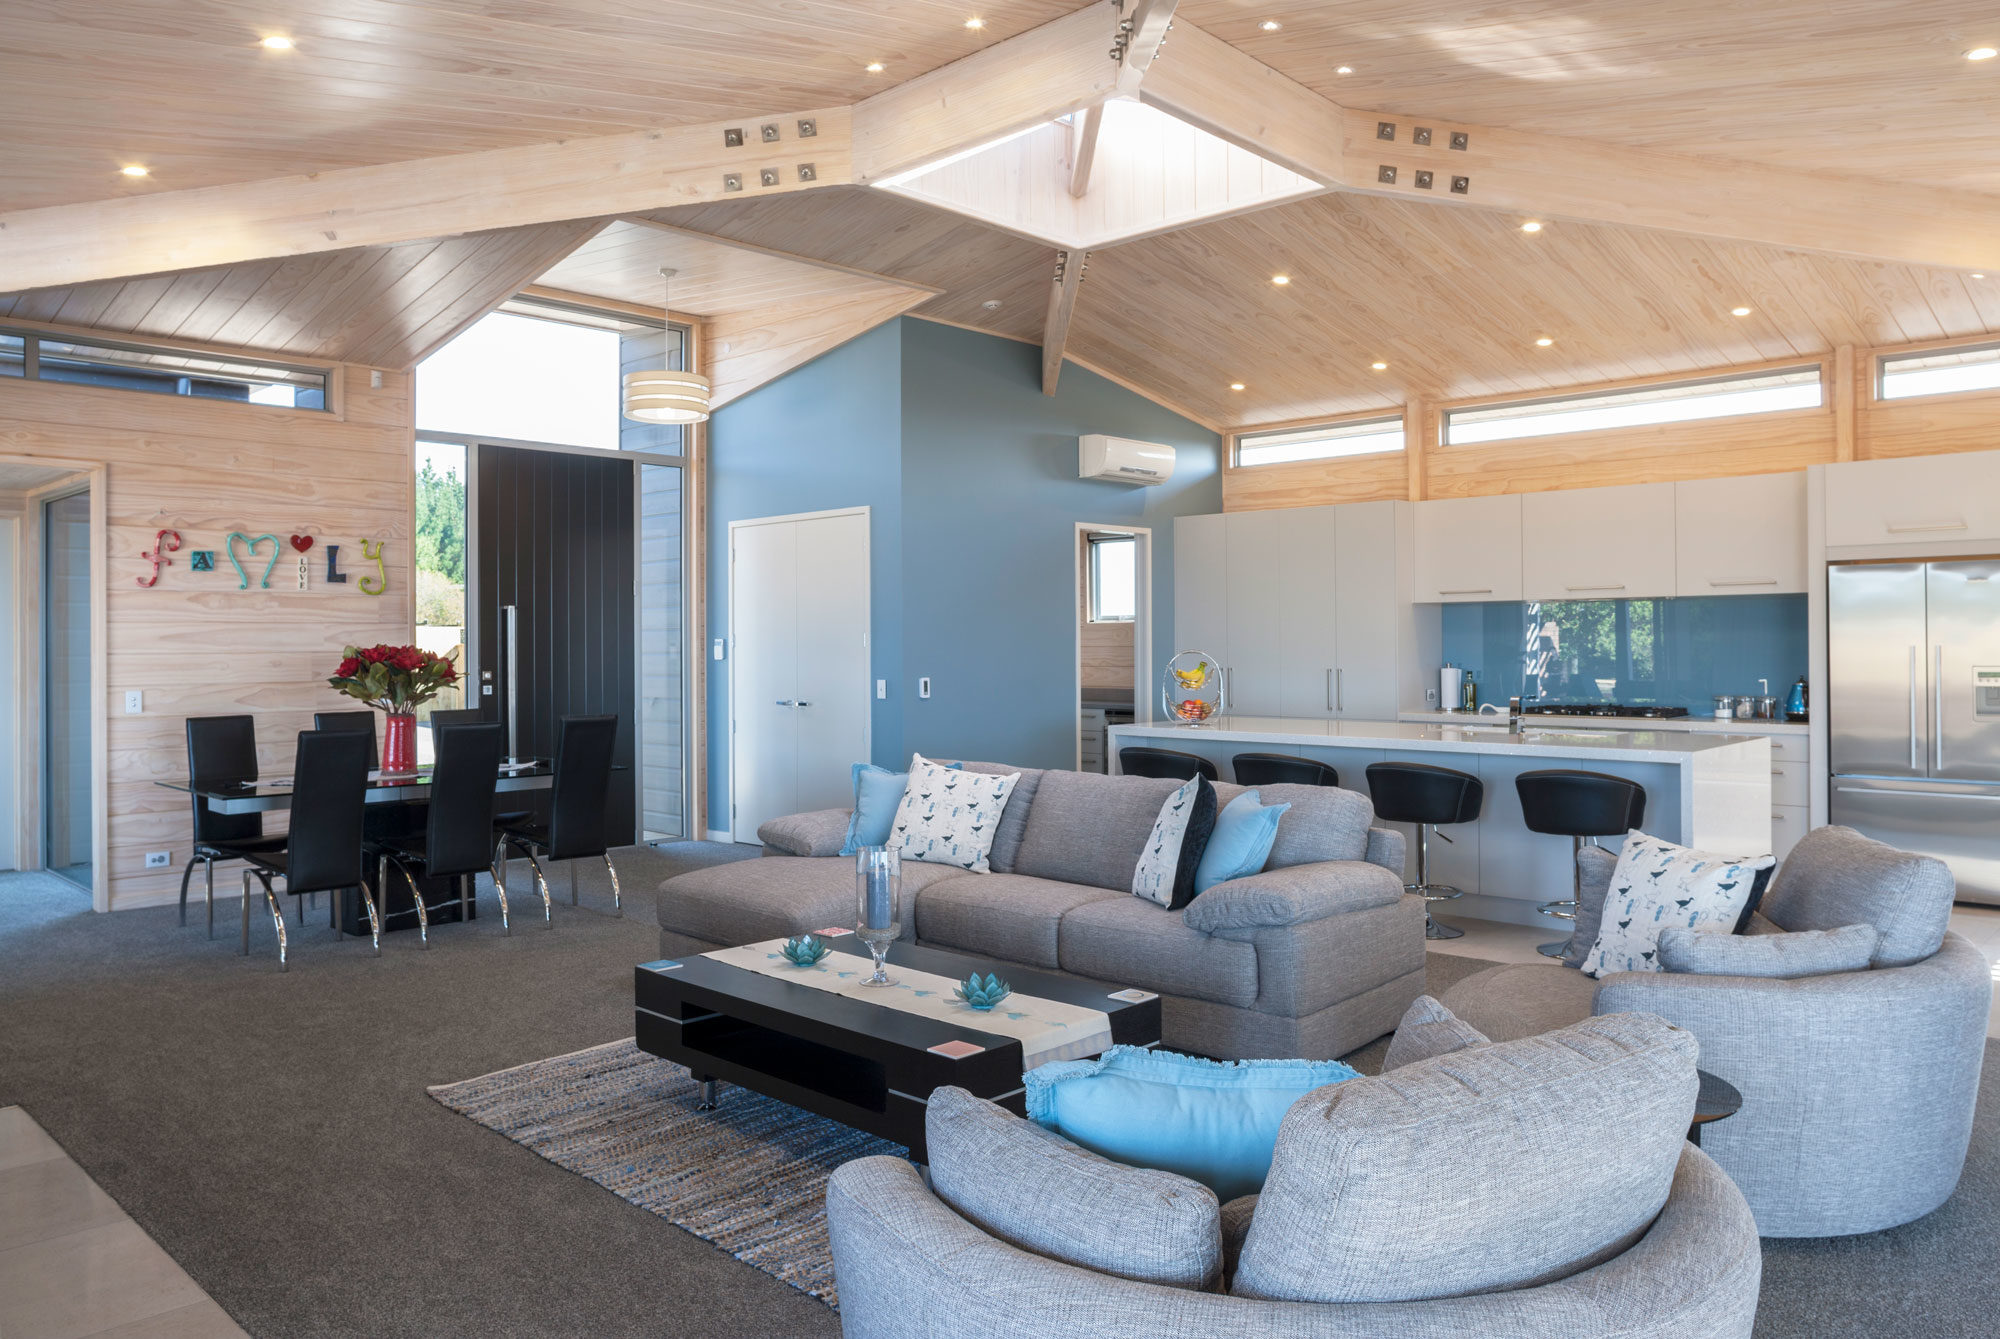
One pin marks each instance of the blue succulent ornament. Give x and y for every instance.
(982, 992)
(805, 950)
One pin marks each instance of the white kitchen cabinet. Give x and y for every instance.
(1743, 536)
(1256, 586)
(1468, 549)
(1310, 582)
(1201, 596)
(1788, 824)
(1914, 500)
(1598, 543)
(1367, 612)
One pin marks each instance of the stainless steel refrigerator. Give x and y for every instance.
(1913, 710)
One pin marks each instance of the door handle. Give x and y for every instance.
(1937, 707)
(804, 703)
(1483, 590)
(786, 702)
(1914, 762)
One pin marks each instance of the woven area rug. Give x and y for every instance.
(749, 1176)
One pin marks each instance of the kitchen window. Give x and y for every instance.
(1973, 367)
(1114, 578)
(1324, 441)
(1671, 402)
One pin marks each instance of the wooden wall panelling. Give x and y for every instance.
(1844, 394)
(1927, 425)
(195, 643)
(1316, 483)
(747, 349)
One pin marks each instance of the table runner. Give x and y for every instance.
(1047, 1029)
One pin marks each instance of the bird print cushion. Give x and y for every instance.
(1660, 886)
(949, 817)
(1173, 849)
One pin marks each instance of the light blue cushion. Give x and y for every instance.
(877, 792)
(1213, 1121)
(1241, 841)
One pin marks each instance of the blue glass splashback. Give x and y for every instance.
(1670, 653)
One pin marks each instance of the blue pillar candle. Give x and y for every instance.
(881, 903)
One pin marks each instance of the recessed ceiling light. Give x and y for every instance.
(991, 304)
(1281, 279)
(1739, 311)
(277, 43)
(874, 67)
(975, 24)
(1345, 69)
(1380, 367)
(134, 170)
(1270, 25)
(1236, 385)
(1543, 342)
(1978, 276)
(1982, 53)
(1531, 226)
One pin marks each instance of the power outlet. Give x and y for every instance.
(159, 859)
(1431, 696)
(924, 686)
(135, 702)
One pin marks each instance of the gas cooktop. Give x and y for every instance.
(1602, 709)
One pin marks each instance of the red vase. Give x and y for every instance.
(399, 744)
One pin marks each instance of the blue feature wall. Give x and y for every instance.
(970, 472)
(1673, 653)
(990, 507)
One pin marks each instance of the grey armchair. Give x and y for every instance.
(1858, 1085)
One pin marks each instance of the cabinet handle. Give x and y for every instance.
(1914, 764)
(804, 703)
(1483, 590)
(1329, 690)
(1340, 690)
(1229, 688)
(1573, 589)
(1919, 527)
(1723, 585)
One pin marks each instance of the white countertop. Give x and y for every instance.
(1693, 723)
(1646, 745)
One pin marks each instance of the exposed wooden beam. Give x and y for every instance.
(1205, 80)
(1149, 20)
(1062, 307)
(432, 197)
(1845, 394)
(1047, 72)
(1083, 149)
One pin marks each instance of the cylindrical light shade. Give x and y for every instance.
(663, 396)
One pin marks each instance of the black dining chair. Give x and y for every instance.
(1171, 764)
(354, 722)
(457, 840)
(322, 852)
(474, 716)
(577, 828)
(1278, 769)
(221, 749)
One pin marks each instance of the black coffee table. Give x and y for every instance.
(865, 1065)
(1717, 1100)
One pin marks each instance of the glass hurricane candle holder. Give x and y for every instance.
(878, 905)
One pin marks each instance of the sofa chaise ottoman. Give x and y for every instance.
(1317, 954)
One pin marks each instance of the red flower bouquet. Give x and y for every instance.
(395, 679)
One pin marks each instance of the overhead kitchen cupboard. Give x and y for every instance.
(1913, 500)
(1743, 536)
(1468, 549)
(1598, 543)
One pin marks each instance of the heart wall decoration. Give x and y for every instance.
(302, 542)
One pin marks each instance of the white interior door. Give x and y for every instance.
(832, 660)
(763, 613)
(799, 696)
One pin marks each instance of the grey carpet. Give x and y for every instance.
(274, 1134)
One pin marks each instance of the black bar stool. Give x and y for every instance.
(1577, 805)
(1169, 763)
(1409, 792)
(1278, 769)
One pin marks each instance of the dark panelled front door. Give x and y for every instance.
(554, 538)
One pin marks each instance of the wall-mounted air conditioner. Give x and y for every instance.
(1123, 460)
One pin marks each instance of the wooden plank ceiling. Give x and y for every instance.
(184, 88)
(385, 306)
(1876, 90)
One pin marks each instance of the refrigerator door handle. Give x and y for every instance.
(1926, 794)
(1937, 708)
(1915, 763)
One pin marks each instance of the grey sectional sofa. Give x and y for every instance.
(1858, 1086)
(1318, 954)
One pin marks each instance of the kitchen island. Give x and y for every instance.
(1706, 790)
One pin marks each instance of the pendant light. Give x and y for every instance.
(666, 396)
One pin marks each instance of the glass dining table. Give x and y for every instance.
(394, 811)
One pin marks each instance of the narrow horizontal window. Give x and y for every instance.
(161, 371)
(1673, 402)
(1327, 441)
(1938, 372)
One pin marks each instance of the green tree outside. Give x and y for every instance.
(441, 523)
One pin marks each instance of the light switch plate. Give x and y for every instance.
(135, 701)
(881, 690)
(924, 686)
(720, 649)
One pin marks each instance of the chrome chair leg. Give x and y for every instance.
(244, 949)
(277, 919)
(1565, 911)
(187, 872)
(369, 898)
(464, 898)
(500, 886)
(423, 914)
(617, 901)
(208, 886)
(542, 885)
